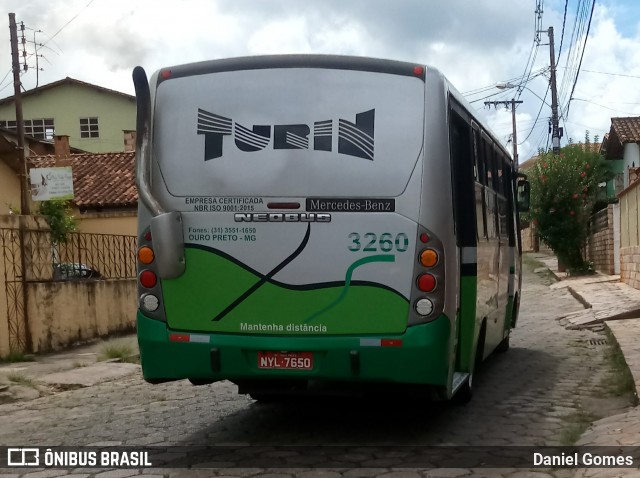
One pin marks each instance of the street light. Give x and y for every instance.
(507, 86)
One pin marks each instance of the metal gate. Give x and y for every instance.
(14, 288)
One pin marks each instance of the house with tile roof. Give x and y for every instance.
(104, 186)
(92, 116)
(106, 197)
(10, 165)
(623, 143)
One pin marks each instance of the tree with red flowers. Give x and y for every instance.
(564, 189)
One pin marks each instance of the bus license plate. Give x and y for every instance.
(285, 360)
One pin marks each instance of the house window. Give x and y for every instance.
(89, 128)
(41, 128)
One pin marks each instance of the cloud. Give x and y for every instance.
(474, 43)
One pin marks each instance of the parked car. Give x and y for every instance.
(74, 271)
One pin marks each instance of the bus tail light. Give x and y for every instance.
(150, 301)
(428, 258)
(148, 279)
(146, 255)
(426, 282)
(424, 307)
(428, 291)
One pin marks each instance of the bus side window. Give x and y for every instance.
(509, 193)
(478, 166)
(499, 172)
(490, 198)
(488, 160)
(478, 161)
(462, 166)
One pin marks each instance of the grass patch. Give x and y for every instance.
(620, 381)
(530, 261)
(123, 351)
(21, 379)
(15, 357)
(80, 364)
(576, 425)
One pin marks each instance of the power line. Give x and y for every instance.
(606, 107)
(564, 20)
(67, 24)
(611, 74)
(586, 37)
(538, 115)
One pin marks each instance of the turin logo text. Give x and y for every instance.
(354, 139)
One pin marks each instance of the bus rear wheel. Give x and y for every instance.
(504, 345)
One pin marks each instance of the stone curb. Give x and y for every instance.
(579, 298)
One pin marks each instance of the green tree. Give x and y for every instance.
(564, 190)
(59, 218)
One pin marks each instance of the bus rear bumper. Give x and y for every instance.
(421, 355)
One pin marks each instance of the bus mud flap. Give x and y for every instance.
(215, 360)
(354, 357)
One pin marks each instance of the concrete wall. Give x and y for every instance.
(11, 271)
(629, 200)
(62, 313)
(59, 313)
(528, 236)
(9, 190)
(117, 222)
(630, 266)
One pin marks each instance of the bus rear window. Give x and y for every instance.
(268, 133)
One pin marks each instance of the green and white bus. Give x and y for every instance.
(311, 223)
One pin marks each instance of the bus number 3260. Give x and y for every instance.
(370, 242)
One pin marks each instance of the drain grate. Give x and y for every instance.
(597, 341)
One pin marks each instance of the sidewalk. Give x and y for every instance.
(609, 304)
(76, 367)
(615, 306)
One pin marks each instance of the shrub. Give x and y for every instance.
(564, 189)
(58, 216)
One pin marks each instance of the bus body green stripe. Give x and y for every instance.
(467, 323)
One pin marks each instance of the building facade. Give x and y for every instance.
(92, 116)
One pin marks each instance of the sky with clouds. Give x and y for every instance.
(475, 43)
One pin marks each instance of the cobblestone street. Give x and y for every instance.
(545, 390)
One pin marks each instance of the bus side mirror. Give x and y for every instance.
(524, 196)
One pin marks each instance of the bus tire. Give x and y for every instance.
(264, 398)
(504, 345)
(196, 382)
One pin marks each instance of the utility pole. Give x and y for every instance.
(555, 131)
(513, 104)
(24, 178)
(17, 97)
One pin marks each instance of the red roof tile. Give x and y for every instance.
(100, 180)
(627, 129)
(623, 130)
